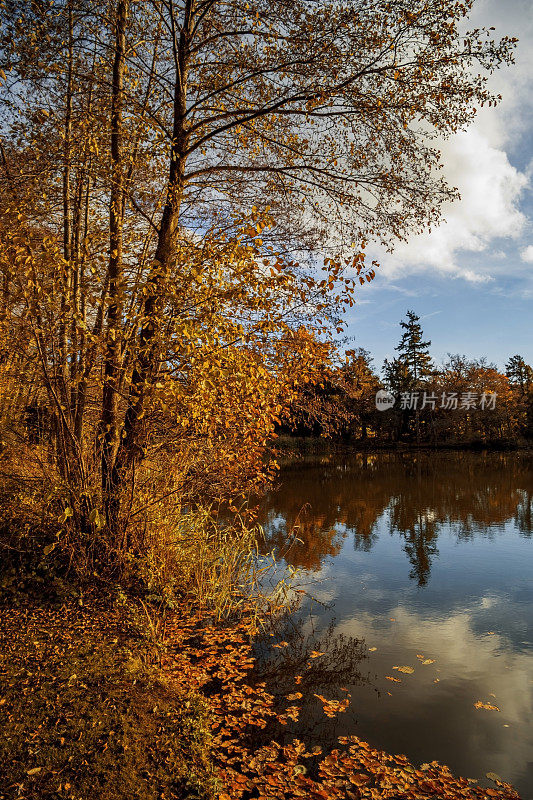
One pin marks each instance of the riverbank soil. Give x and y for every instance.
(86, 711)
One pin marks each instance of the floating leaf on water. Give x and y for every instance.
(315, 654)
(493, 776)
(428, 661)
(407, 670)
(295, 696)
(390, 678)
(372, 649)
(487, 706)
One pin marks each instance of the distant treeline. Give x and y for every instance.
(465, 401)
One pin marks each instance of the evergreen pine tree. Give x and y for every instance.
(414, 351)
(519, 373)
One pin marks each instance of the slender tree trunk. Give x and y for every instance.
(75, 273)
(133, 440)
(61, 370)
(65, 296)
(84, 206)
(110, 487)
(83, 348)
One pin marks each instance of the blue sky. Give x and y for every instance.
(471, 279)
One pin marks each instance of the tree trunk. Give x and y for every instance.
(110, 483)
(133, 439)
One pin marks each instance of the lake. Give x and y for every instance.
(416, 560)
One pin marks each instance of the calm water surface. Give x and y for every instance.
(419, 557)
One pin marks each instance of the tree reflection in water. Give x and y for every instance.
(324, 663)
(324, 499)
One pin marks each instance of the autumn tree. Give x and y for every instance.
(360, 384)
(172, 171)
(342, 403)
(474, 401)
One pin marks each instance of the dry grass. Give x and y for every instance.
(193, 556)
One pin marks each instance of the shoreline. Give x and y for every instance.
(134, 703)
(320, 444)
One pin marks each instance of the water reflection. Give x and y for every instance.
(324, 500)
(421, 558)
(324, 664)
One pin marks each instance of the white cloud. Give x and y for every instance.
(477, 162)
(509, 121)
(490, 188)
(527, 254)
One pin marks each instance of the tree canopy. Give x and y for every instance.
(184, 181)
